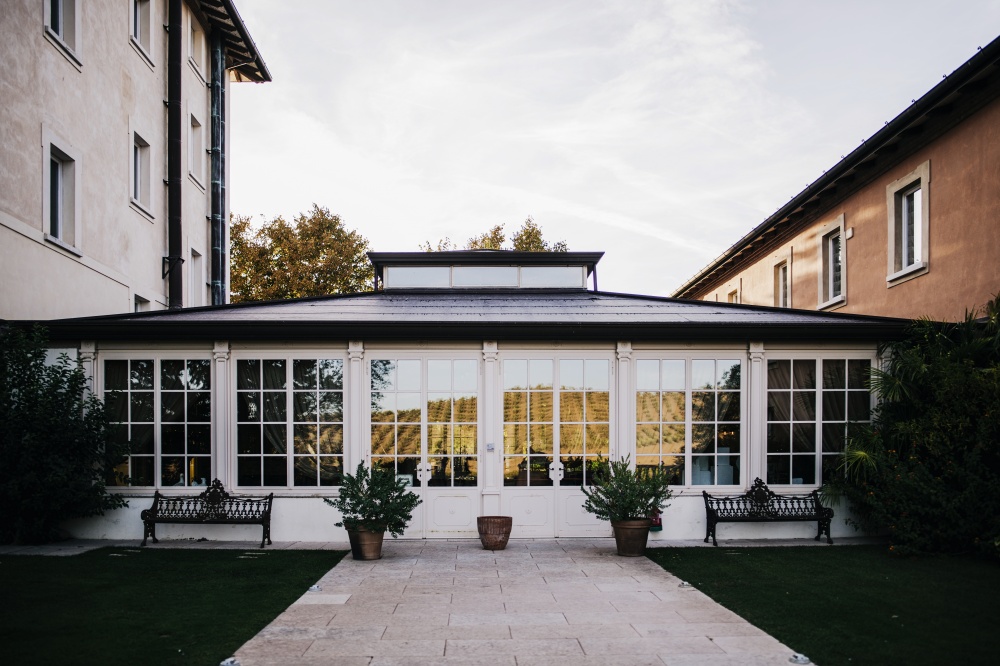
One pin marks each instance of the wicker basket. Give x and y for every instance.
(494, 531)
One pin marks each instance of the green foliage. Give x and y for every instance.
(316, 255)
(376, 500)
(528, 238)
(927, 470)
(56, 448)
(622, 493)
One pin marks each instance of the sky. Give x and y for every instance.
(657, 132)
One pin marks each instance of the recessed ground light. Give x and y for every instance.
(315, 588)
(685, 584)
(799, 659)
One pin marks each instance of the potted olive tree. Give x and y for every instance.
(371, 503)
(628, 497)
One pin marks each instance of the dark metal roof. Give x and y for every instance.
(960, 94)
(244, 58)
(570, 315)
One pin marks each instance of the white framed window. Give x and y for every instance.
(197, 279)
(140, 169)
(196, 152)
(61, 202)
(782, 295)
(196, 46)
(62, 28)
(162, 405)
(689, 418)
(833, 264)
(424, 419)
(811, 403)
(140, 28)
(289, 421)
(556, 416)
(907, 201)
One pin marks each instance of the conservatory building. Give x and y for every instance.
(492, 382)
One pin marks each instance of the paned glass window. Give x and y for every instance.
(528, 422)
(555, 411)
(439, 397)
(452, 417)
(807, 419)
(290, 423)
(163, 407)
(128, 397)
(688, 415)
(584, 418)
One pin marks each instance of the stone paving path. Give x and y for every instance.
(538, 602)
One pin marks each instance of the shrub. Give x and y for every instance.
(927, 469)
(621, 493)
(375, 500)
(55, 444)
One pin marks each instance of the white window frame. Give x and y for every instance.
(197, 279)
(556, 357)
(62, 208)
(158, 356)
(817, 357)
(688, 455)
(196, 151)
(140, 178)
(197, 46)
(825, 297)
(349, 456)
(782, 284)
(916, 182)
(62, 28)
(141, 29)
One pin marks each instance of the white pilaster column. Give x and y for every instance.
(623, 416)
(355, 396)
(225, 455)
(88, 357)
(755, 418)
(490, 435)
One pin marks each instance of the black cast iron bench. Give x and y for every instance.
(760, 504)
(213, 507)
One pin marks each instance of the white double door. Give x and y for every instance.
(523, 451)
(424, 426)
(556, 422)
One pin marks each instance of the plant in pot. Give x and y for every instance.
(628, 497)
(373, 502)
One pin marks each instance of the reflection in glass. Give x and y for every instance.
(172, 406)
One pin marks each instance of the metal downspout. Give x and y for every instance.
(218, 169)
(175, 126)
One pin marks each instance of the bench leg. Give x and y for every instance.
(148, 531)
(266, 534)
(710, 532)
(824, 526)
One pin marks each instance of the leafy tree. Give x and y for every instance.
(528, 238)
(56, 448)
(315, 255)
(927, 469)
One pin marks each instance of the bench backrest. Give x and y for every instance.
(214, 503)
(760, 500)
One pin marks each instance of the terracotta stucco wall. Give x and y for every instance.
(963, 236)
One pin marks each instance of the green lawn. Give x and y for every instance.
(853, 604)
(148, 606)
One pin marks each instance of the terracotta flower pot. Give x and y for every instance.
(365, 544)
(494, 531)
(631, 535)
